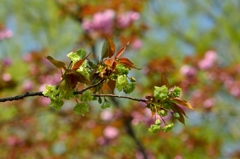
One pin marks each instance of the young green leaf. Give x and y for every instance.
(51, 91)
(81, 108)
(129, 87)
(106, 104)
(121, 81)
(87, 96)
(56, 104)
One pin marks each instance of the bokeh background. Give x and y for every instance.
(194, 43)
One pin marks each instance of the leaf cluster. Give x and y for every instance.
(111, 72)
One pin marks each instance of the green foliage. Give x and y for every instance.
(56, 104)
(121, 82)
(129, 87)
(114, 72)
(106, 104)
(87, 96)
(121, 69)
(81, 108)
(84, 70)
(76, 56)
(161, 93)
(51, 92)
(154, 128)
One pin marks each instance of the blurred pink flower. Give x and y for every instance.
(101, 141)
(6, 77)
(124, 20)
(188, 71)
(27, 85)
(5, 34)
(50, 79)
(106, 114)
(110, 132)
(235, 91)
(137, 44)
(7, 62)
(208, 60)
(101, 21)
(13, 140)
(27, 57)
(44, 101)
(178, 157)
(208, 103)
(43, 87)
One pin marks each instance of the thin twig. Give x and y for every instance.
(119, 96)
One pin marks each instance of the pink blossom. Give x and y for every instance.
(178, 157)
(27, 57)
(12, 140)
(106, 114)
(7, 62)
(188, 70)
(101, 141)
(137, 44)
(6, 77)
(44, 101)
(91, 124)
(5, 34)
(208, 60)
(110, 132)
(101, 21)
(27, 85)
(235, 91)
(124, 20)
(208, 103)
(42, 87)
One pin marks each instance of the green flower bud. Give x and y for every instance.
(158, 122)
(162, 113)
(161, 93)
(176, 115)
(176, 92)
(168, 127)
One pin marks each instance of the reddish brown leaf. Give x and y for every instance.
(108, 48)
(79, 63)
(56, 63)
(71, 80)
(109, 62)
(180, 111)
(72, 77)
(111, 84)
(121, 51)
(164, 81)
(126, 62)
(183, 103)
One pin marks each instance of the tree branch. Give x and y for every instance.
(29, 94)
